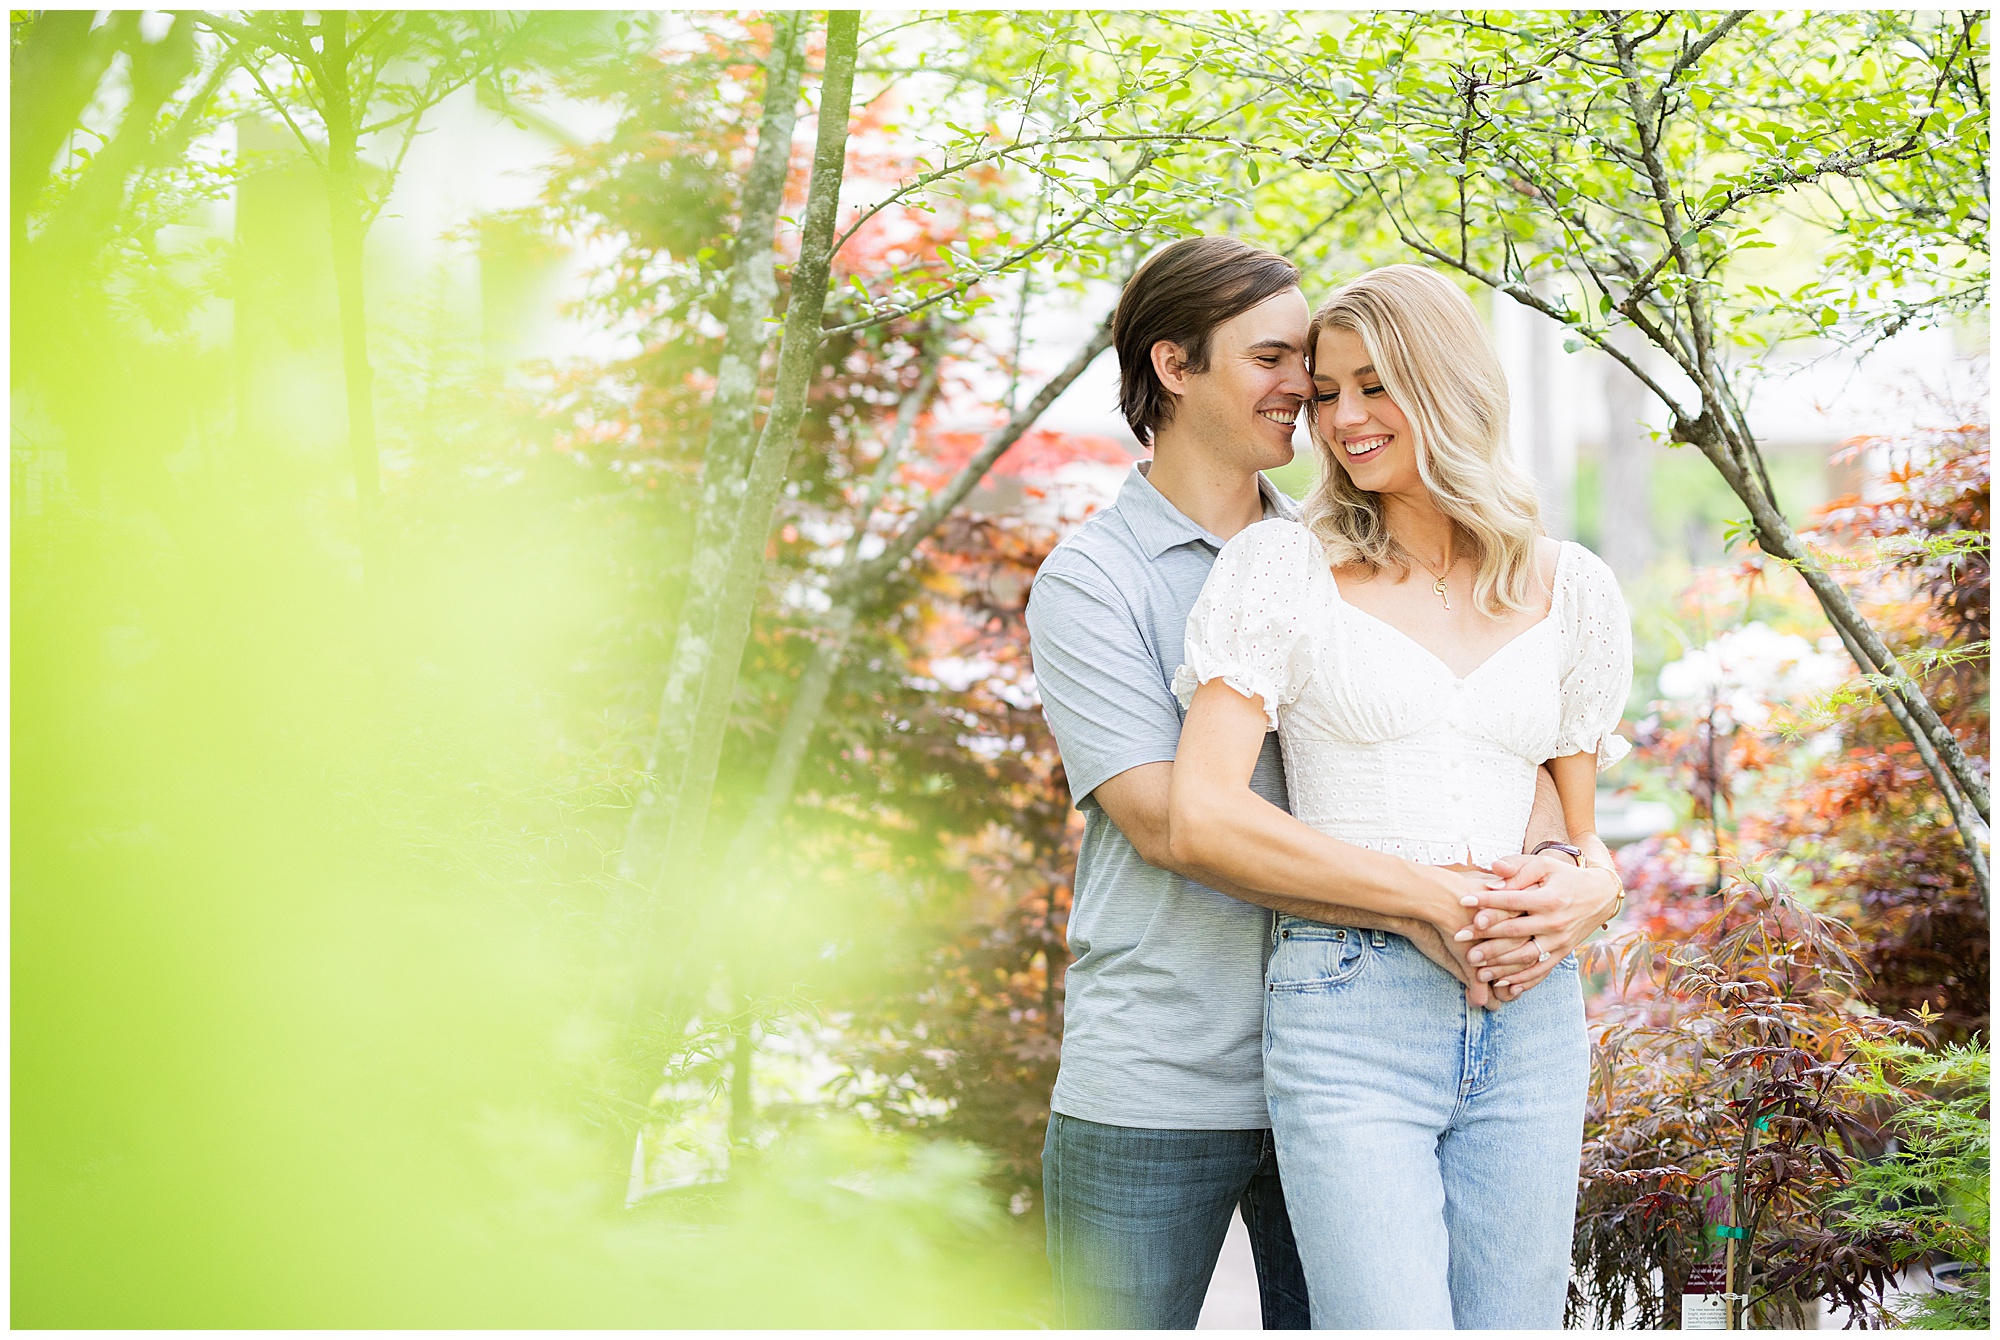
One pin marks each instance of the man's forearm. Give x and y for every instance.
(1422, 934)
(1545, 820)
(1136, 800)
(1312, 910)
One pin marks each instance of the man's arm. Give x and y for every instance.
(1136, 800)
(1545, 820)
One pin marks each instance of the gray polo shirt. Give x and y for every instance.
(1164, 1005)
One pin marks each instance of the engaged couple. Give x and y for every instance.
(1338, 766)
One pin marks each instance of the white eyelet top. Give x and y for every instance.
(1384, 746)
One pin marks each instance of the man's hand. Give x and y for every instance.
(1463, 958)
(1544, 906)
(1469, 884)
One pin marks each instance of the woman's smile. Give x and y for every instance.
(1362, 448)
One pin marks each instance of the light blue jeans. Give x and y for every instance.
(1430, 1148)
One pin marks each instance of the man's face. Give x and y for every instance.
(1244, 407)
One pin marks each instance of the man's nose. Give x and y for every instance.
(1297, 381)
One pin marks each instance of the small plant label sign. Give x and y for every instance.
(1705, 1302)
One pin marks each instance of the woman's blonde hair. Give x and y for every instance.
(1435, 362)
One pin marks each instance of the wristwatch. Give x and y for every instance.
(1574, 853)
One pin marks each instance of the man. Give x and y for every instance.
(1158, 1128)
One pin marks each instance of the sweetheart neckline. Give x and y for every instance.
(1555, 585)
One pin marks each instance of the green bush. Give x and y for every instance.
(1932, 1189)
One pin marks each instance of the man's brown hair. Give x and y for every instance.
(1181, 294)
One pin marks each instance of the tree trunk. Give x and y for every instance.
(1723, 434)
(343, 201)
(55, 68)
(155, 73)
(746, 852)
(1963, 792)
(753, 290)
(809, 699)
(798, 359)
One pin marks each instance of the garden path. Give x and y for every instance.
(1232, 1303)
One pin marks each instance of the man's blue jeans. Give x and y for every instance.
(1136, 1219)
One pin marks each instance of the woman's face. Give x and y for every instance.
(1367, 431)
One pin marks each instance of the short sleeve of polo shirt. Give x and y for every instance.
(1103, 692)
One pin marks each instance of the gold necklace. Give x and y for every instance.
(1437, 587)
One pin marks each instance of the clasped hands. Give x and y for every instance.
(1523, 917)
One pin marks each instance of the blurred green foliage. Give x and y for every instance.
(303, 930)
(307, 897)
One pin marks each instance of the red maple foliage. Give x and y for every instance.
(1762, 947)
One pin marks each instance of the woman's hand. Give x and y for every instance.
(1459, 885)
(1544, 910)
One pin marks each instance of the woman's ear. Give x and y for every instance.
(1170, 366)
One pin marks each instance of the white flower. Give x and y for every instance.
(1750, 670)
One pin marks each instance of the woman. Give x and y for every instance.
(1421, 650)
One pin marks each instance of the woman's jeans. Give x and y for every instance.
(1430, 1148)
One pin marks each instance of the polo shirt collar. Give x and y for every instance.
(1158, 525)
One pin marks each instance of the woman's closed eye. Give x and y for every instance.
(1330, 397)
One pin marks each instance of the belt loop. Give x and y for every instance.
(1381, 939)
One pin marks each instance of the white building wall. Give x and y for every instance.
(1544, 386)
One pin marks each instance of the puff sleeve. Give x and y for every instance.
(1597, 660)
(1247, 627)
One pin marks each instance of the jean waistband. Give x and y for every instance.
(1285, 926)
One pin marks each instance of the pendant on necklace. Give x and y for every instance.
(1439, 589)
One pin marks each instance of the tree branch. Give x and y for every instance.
(981, 276)
(1521, 293)
(974, 470)
(1691, 54)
